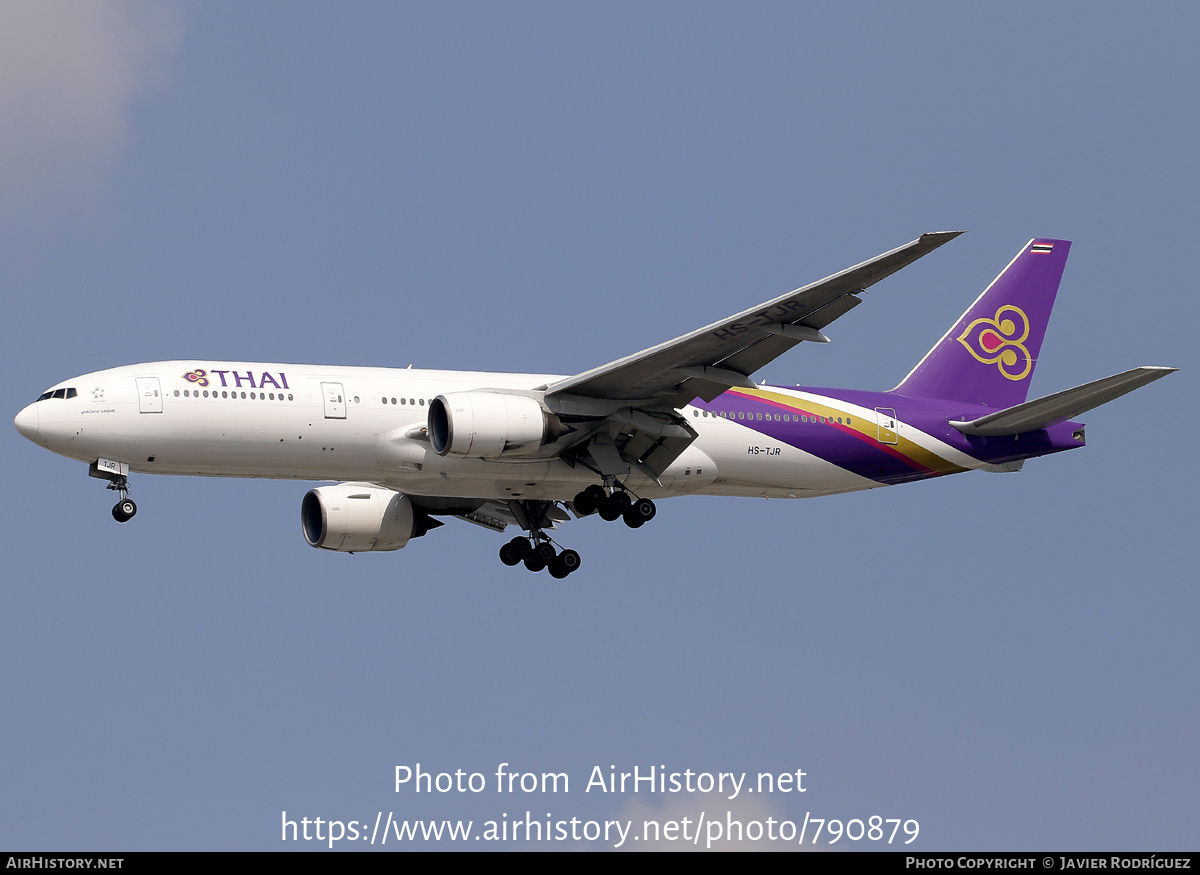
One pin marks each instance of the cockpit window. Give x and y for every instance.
(58, 393)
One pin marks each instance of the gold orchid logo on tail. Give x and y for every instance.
(1000, 341)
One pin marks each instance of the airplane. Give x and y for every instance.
(406, 447)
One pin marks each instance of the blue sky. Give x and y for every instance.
(1010, 660)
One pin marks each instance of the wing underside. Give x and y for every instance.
(623, 414)
(711, 359)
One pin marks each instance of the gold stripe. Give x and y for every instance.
(904, 446)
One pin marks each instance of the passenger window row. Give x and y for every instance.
(777, 417)
(256, 396)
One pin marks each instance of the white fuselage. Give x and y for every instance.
(305, 422)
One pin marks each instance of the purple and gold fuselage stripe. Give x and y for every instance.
(866, 457)
(904, 449)
(830, 414)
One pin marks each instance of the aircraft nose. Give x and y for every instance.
(27, 422)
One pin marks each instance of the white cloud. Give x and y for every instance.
(70, 71)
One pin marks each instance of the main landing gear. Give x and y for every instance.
(538, 553)
(536, 550)
(614, 503)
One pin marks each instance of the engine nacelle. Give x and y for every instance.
(357, 518)
(488, 425)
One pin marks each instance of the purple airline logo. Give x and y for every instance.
(1000, 341)
(238, 379)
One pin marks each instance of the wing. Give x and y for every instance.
(501, 513)
(710, 360)
(622, 415)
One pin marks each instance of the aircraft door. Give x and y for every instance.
(886, 417)
(335, 400)
(149, 395)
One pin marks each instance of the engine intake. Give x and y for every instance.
(357, 518)
(489, 425)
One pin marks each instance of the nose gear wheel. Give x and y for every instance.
(124, 510)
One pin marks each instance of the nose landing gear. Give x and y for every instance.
(124, 509)
(114, 473)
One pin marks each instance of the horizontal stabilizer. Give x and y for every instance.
(1061, 406)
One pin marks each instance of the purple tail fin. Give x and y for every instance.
(988, 356)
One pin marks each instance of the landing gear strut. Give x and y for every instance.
(124, 509)
(114, 473)
(536, 550)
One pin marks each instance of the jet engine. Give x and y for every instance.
(358, 517)
(488, 425)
